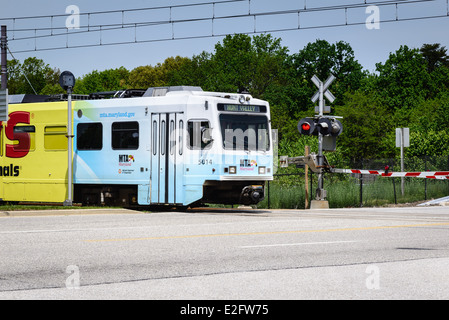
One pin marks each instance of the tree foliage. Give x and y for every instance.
(32, 76)
(409, 89)
(241, 63)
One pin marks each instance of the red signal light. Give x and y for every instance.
(306, 126)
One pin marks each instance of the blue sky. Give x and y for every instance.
(370, 45)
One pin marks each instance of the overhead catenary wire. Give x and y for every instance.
(23, 71)
(276, 12)
(130, 10)
(96, 28)
(102, 28)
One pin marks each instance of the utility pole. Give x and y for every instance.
(306, 184)
(4, 46)
(67, 82)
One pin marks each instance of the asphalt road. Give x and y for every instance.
(383, 253)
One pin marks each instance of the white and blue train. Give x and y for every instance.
(177, 146)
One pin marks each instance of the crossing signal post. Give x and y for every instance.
(327, 128)
(67, 82)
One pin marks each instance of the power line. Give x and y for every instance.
(214, 18)
(305, 10)
(129, 10)
(224, 34)
(23, 71)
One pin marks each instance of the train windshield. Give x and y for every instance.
(245, 132)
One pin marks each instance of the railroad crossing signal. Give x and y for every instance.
(323, 91)
(326, 126)
(337, 128)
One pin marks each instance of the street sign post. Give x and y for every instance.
(402, 141)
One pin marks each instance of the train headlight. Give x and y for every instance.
(262, 170)
(232, 170)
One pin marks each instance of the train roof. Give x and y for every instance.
(127, 93)
(133, 93)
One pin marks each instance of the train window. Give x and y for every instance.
(55, 138)
(245, 132)
(172, 137)
(163, 137)
(181, 136)
(89, 136)
(154, 137)
(31, 130)
(199, 134)
(125, 135)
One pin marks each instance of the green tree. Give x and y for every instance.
(428, 129)
(435, 56)
(322, 59)
(145, 77)
(101, 81)
(198, 71)
(176, 71)
(36, 71)
(368, 129)
(437, 62)
(270, 59)
(242, 63)
(172, 72)
(14, 76)
(290, 96)
(413, 85)
(30, 77)
(232, 64)
(428, 143)
(403, 83)
(52, 82)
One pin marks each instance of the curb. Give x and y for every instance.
(65, 212)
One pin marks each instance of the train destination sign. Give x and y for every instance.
(241, 108)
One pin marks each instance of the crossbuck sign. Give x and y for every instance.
(323, 92)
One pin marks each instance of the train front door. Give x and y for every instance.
(166, 153)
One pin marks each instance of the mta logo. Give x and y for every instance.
(246, 163)
(125, 158)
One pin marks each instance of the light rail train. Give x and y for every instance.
(177, 146)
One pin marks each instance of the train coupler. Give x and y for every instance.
(252, 194)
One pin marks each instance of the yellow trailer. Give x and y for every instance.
(33, 153)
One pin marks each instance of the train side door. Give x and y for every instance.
(164, 157)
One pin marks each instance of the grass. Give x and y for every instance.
(342, 193)
(346, 193)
